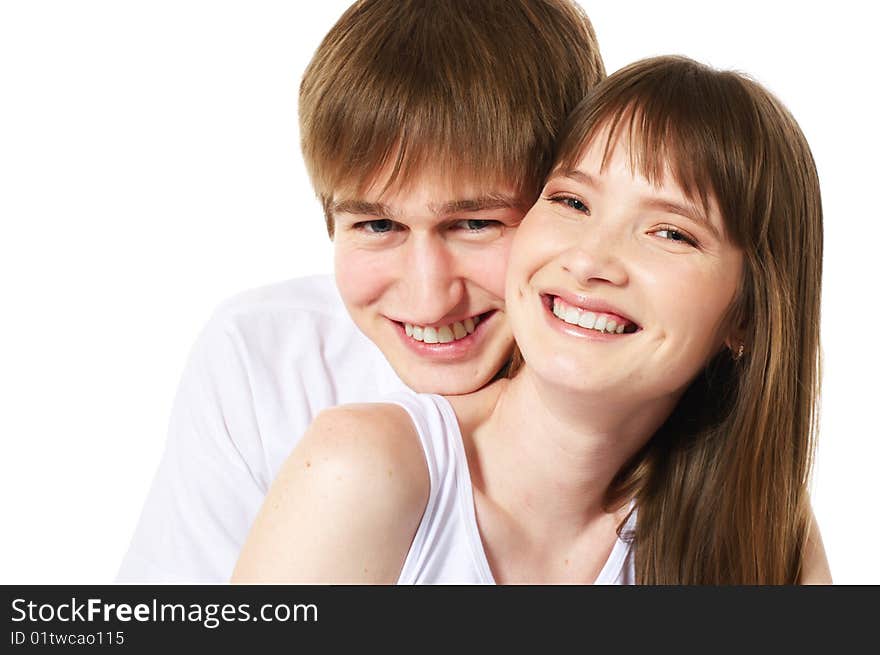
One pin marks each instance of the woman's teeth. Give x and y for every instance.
(445, 334)
(587, 319)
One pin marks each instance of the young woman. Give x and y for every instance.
(659, 424)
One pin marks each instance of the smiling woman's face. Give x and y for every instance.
(617, 285)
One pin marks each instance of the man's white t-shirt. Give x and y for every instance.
(268, 361)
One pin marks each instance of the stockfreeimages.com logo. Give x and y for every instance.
(210, 615)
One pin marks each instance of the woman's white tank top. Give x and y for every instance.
(447, 548)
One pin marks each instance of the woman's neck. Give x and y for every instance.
(546, 455)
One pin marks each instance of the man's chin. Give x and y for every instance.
(445, 385)
(451, 368)
(445, 380)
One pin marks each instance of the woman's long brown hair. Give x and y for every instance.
(721, 489)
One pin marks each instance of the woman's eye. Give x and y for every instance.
(671, 234)
(378, 226)
(572, 203)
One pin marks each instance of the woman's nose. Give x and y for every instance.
(596, 258)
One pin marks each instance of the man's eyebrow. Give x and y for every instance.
(361, 208)
(463, 206)
(687, 210)
(478, 204)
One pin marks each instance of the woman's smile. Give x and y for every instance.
(606, 257)
(590, 314)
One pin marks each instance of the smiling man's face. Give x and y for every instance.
(422, 270)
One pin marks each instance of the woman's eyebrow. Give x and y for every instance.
(580, 176)
(687, 210)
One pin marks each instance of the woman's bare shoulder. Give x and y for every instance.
(345, 505)
(370, 443)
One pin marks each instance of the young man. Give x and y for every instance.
(427, 129)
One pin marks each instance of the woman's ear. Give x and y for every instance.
(736, 344)
(735, 327)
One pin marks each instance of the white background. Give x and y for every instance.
(149, 168)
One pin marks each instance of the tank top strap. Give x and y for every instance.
(443, 548)
(431, 426)
(447, 547)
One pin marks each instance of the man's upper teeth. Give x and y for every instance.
(444, 334)
(587, 319)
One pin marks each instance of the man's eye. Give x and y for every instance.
(571, 202)
(475, 224)
(378, 226)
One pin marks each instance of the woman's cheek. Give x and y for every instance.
(536, 243)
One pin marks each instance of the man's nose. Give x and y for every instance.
(596, 258)
(432, 285)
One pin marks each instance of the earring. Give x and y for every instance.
(739, 353)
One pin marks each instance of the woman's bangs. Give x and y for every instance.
(656, 143)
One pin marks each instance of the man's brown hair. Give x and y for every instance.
(478, 89)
